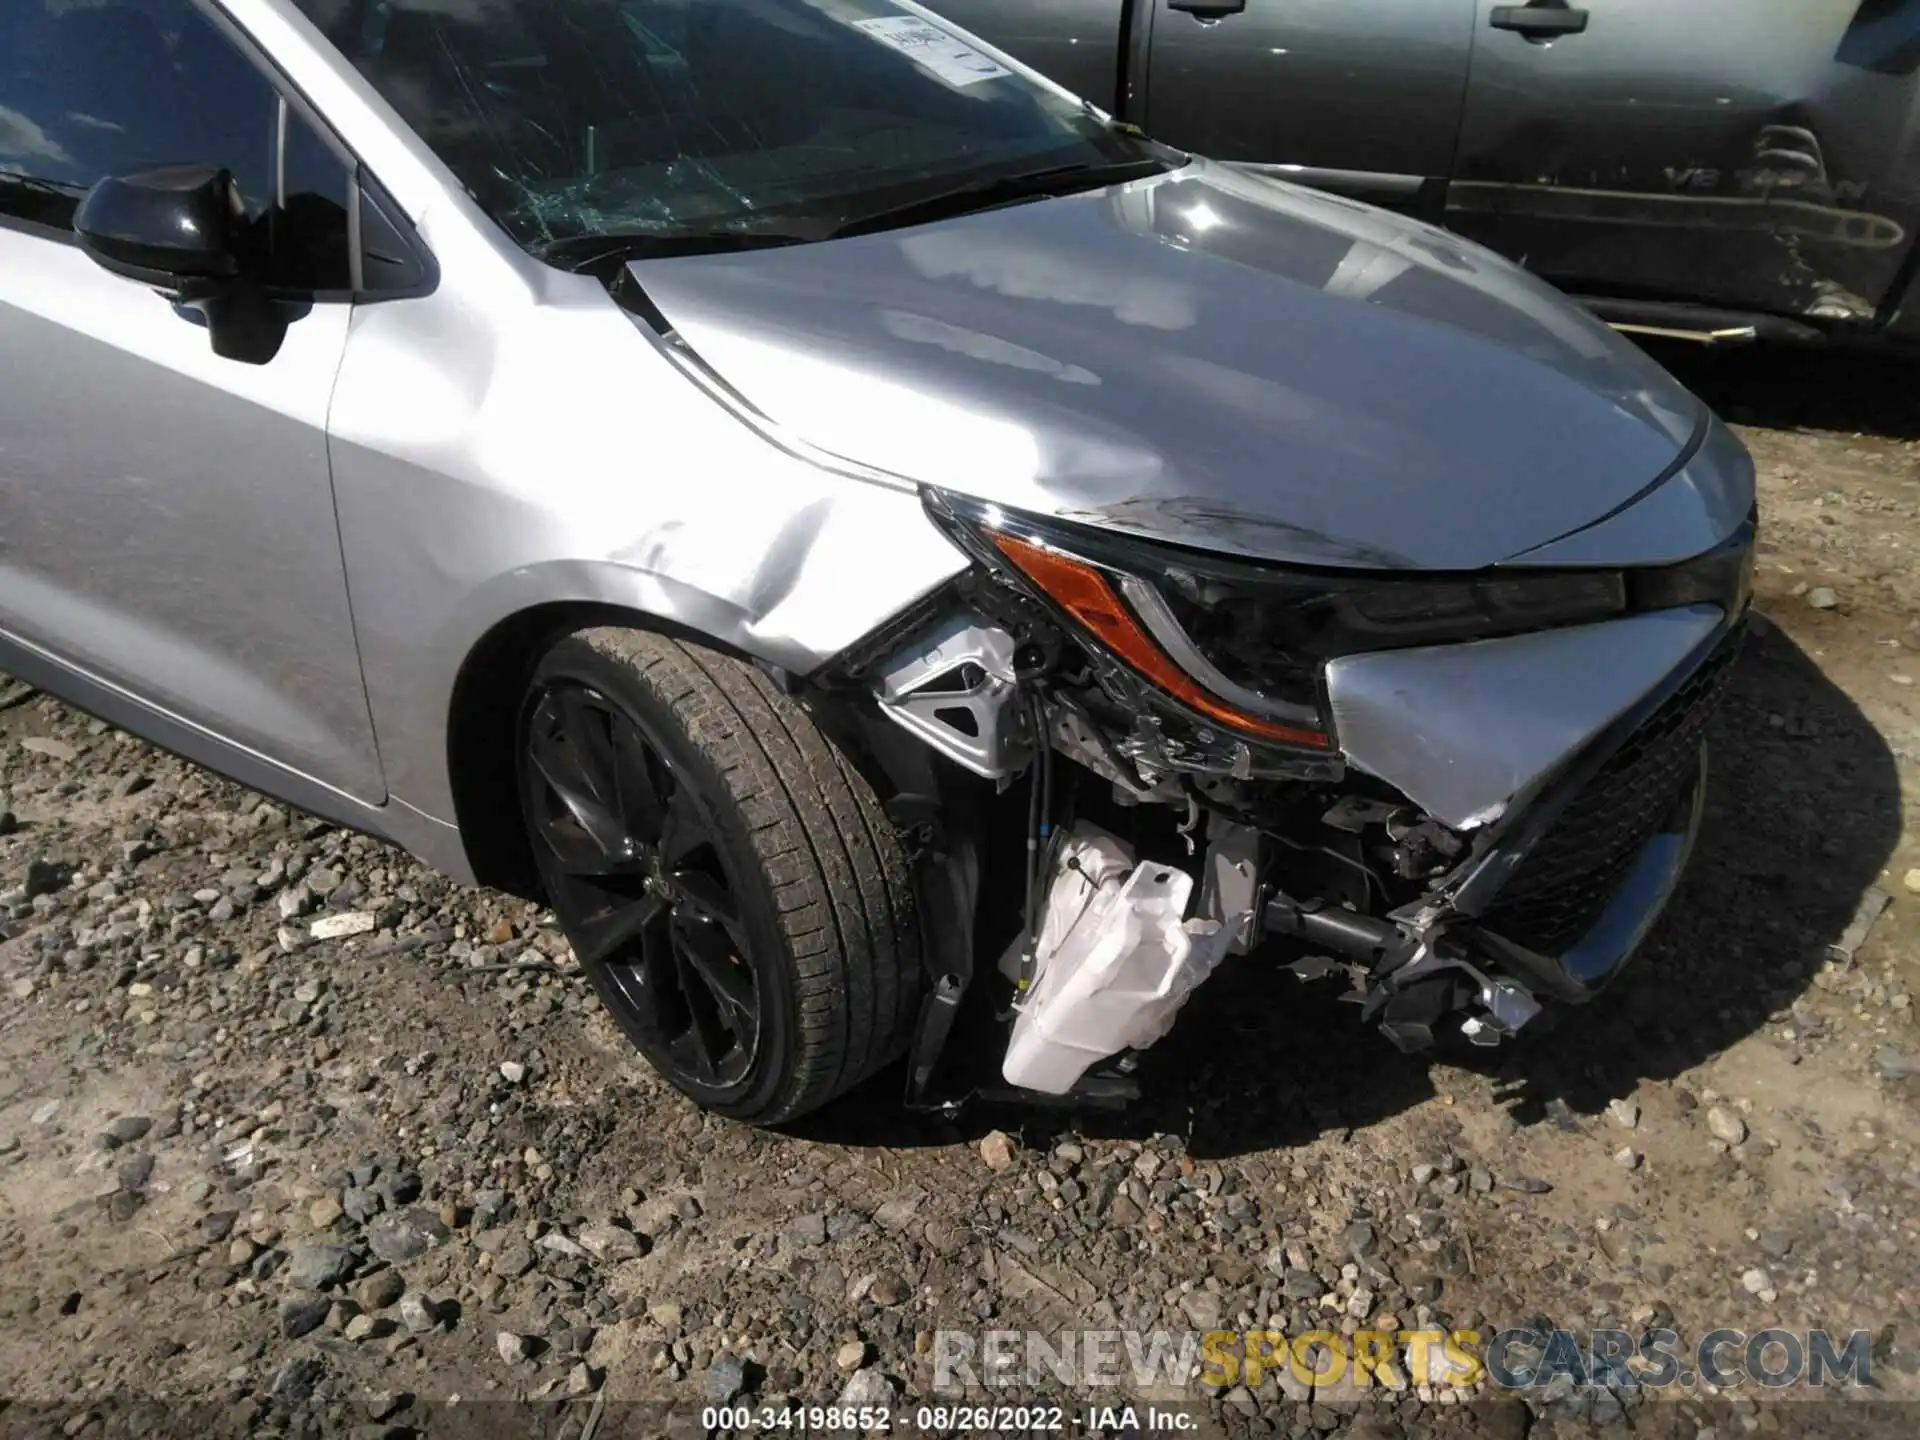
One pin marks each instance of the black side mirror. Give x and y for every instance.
(184, 230)
(178, 229)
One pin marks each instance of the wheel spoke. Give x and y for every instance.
(710, 955)
(573, 752)
(682, 831)
(642, 785)
(552, 754)
(589, 730)
(692, 1053)
(721, 1019)
(651, 981)
(589, 735)
(600, 940)
(702, 897)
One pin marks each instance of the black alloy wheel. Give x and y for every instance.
(640, 888)
(728, 881)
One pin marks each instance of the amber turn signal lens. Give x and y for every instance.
(1083, 592)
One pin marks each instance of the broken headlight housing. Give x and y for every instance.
(1243, 643)
(1270, 632)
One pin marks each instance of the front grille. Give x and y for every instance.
(1570, 874)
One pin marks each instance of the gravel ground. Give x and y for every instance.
(294, 1133)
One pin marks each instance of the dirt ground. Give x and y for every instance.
(253, 1180)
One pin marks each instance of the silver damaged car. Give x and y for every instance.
(905, 565)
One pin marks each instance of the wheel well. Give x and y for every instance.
(484, 715)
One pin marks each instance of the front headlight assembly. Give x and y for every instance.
(1243, 644)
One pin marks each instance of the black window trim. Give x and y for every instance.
(363, 186)
(361, 179)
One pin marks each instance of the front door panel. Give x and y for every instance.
(166, 516)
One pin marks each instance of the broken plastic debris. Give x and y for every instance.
(336, 927)
(1872, 903)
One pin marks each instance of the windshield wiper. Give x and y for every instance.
(40, 202)
(589, 254)
(62, 188)
(593, 254)
(1000, 190)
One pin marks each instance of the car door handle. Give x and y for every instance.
(1539, 21)
(1207, 9)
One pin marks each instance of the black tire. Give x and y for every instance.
(797, 867)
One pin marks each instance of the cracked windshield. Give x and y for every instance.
(707, 120)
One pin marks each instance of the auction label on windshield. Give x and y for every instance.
(945, 54)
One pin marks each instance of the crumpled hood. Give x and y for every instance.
(1208, 357)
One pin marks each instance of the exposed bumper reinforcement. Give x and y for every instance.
(1415, 978)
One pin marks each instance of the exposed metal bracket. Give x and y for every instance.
(1230, 880)
(954, 688)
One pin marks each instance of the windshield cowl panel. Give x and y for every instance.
(683, 120)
